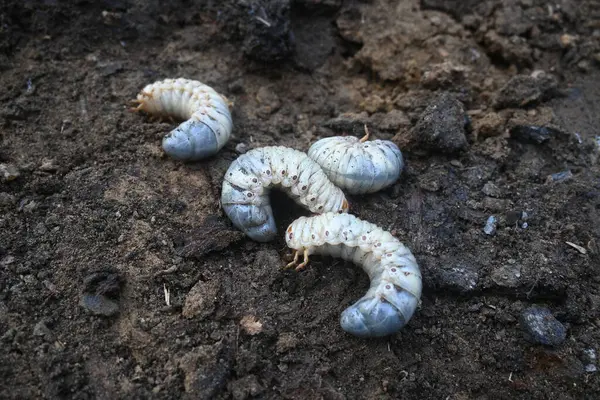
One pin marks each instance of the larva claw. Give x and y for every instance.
(136, 109)
(304, 263)
(296, 257)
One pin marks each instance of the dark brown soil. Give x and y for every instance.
(90, 206)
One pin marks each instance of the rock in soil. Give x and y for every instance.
(200, 300)
(526, 90)
(442, 127)
(532, 134)
(540, 326)
(205, 372)
(214, 234)
(245, 387)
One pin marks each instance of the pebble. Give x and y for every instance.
(267, 34)
(9, 172)
(508, 275)
(458, 277)
(286, 342)
(490, 189)
(245, 387)
(589, 358)
(200, 300)
(490, 225)
(532, 133)
(559, 176)
(442, 126)
(540, 326)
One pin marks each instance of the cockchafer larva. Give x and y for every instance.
(395, 276)
(357, 165)
(208, 121)
(245, 194)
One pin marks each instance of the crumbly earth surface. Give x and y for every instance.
(120, 277)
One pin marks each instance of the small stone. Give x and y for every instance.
(540, 326)
(99, 304)
(532, 134)
(236, 87)
(28, 206)
(286, 342)
(507, 275)
(267, 31)
(490, 189)
(200, 300)
(205, 372)
(526, 90)
(512, 217)
(109, 68)
(459, 277)
(9, 172)
(559, 176)
(490, 225)
(589, 359)
(40, 329)
(491, 124)
(373, 104)
(442, 126)
(241, 148)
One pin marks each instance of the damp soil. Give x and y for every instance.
(120, 276)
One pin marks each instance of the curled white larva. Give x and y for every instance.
(245, 194)
(358, 166)
(395, 276)
(207, 125)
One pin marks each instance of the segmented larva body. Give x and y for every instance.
(245, 194)
(358, 165)
(395, 276)
(208, 121)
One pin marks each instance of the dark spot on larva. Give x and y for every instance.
(320, 207)
(378, 245)
(304, 187)
(283, 172)
(326, 233)
(249, 195)
(254, 180)
(389, 254)
(393, 270)
(268, 172)
(388, 287)
(313, 199)
(231, 174)
(294, 177)
(291, 235)
(406, 273)
(364, 238)
(313, 236)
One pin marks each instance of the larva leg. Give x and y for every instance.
(304, 263)
(366, 137)
(296, 257)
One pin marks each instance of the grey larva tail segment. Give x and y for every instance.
(395, 276)
(358, 166)
(246, 185)
(208, 122)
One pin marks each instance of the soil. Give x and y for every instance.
(120, 277)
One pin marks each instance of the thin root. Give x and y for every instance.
(366, 137)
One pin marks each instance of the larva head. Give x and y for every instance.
(190, 141)
(375, 317)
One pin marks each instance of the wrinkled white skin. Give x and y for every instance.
(358, 167)
(247, 182)
(395, 276)
(208, 122)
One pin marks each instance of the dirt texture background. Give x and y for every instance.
(487, 100)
